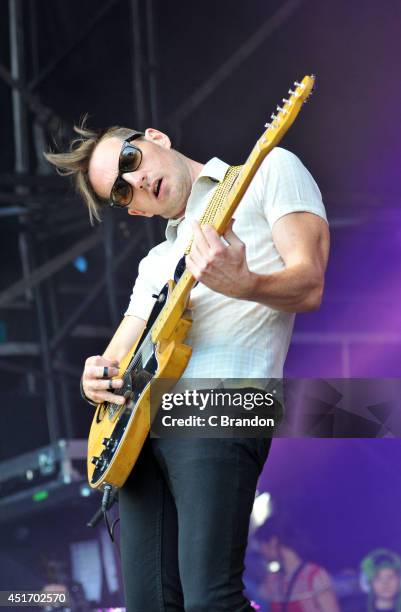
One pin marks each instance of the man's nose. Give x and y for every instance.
(136, 179)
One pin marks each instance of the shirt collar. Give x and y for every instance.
(215, 170)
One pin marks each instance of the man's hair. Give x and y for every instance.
(76, 160)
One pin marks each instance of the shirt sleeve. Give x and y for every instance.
(320, 580)
(288, 187)
(141, 300)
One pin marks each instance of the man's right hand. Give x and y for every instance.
(98, 387)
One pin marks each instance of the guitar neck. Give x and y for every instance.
(173, 310)
(248, 171)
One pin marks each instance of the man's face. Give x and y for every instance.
(386, 583)
(162, 183)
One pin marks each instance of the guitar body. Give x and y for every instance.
(117, 432)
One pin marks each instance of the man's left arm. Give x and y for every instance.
(301, 239)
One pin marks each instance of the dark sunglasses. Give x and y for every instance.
(130, 159)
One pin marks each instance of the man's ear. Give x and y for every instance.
(158, 137)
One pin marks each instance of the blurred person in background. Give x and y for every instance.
(381, 579)
(292, 583)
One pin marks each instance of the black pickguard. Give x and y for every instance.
(135, 382)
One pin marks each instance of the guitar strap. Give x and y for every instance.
(211, 211)
(291, 586)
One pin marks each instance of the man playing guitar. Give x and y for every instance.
(185, 508)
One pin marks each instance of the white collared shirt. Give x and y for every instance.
(234, 338)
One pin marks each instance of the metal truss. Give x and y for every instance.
(30, 198)
(235, 60)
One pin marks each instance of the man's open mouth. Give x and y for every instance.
(157, 188)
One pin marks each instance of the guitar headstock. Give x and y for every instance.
(285, 115)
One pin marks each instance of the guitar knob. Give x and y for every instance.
(97, 461)
(108, 442)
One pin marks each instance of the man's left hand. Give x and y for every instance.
(219, 266)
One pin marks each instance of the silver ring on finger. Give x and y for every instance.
(105, 372)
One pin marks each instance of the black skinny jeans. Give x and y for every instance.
(184, 524)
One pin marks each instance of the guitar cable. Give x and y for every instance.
(108, 499)
(105, 505)
(110, 528)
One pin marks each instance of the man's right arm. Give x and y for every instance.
(95, 387)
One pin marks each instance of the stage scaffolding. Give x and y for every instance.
(44, 207)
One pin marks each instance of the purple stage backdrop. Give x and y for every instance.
(343, 494)
(357, 331)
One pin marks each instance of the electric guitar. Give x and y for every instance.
(117, 432)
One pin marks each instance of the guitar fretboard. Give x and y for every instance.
(173, 310)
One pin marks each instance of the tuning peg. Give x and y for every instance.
(297, 84)
(281, 110)
(272, 116)
(292, 93)
(285, 100)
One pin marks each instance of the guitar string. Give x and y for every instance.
(112, 407)
(209, 216)
(210, 213)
